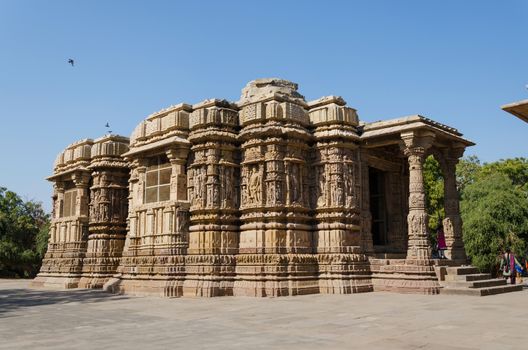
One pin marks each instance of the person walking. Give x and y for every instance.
(441, 242)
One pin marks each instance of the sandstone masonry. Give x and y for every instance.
(268, 196)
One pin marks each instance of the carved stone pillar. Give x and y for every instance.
(62, 265)
(108, 211)
(343, 266)
(177, 215)
(213, 192)
(416, 273)
(275, 231)
(452, 222)
(418, 242)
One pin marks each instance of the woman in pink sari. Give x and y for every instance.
(441, 243)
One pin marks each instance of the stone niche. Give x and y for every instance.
(271, 195)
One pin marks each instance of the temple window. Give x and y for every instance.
(68, 207)
(158, 175)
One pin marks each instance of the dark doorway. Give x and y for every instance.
(378, 206)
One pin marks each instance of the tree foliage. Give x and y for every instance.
(434, 191)
(23, 235)
(495, 216)
(494, 206)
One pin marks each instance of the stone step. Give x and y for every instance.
(462, 270)
(475, 284)
(468, 278)
(482, 291)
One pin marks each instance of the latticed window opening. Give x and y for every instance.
(69, 202)
(158, 174)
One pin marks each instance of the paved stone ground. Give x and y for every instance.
(86, 319)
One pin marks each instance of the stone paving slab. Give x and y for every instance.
(88, 319)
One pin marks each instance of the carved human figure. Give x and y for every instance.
(216, 192)
(349, 183)
(337, 190)
(294, 183)
(254, 186)
(321, 185)
(228, 187)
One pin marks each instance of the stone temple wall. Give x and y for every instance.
(268, 196)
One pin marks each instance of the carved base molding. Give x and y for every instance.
(44, 280)
(404, 276)
(344, 274)
(209, 275)
(276, 275)
(161, 286)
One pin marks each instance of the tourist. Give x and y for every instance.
(508, 265)
(441, 242)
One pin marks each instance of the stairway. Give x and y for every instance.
(466, 280)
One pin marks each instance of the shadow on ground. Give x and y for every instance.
(20, 298)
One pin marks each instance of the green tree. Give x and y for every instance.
(495, 216)
(516, 169)
(434, 193)
(23, 235)
(467, 171)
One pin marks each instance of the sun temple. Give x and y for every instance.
(271, 195)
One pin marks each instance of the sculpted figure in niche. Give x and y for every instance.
(103, 205)
(270, 199)
(254, 186)
(203, 179)
(278, 192)
(321, 187)
(228, 190)
(216, 192)
(349, 182)
(294, 183)
(337, 190)
(94, 207)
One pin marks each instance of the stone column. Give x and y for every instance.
(213, 191)
(415, 145)
(452, 222)
(177, 215)
(108, 211)
(343, 266)
(275, 233)
(82, 184)
(62, 265)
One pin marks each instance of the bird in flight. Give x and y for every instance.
(107, 126)
(71, 61)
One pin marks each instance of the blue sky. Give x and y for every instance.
(456, 62)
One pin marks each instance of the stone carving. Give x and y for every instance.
(271, 195)
(255, 191)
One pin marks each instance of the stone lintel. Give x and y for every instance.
(174, 108)
(215, 102)
(157, 145)
(325, 100)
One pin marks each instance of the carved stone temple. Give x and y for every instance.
(268, 196)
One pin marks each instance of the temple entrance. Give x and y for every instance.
(378, 206)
